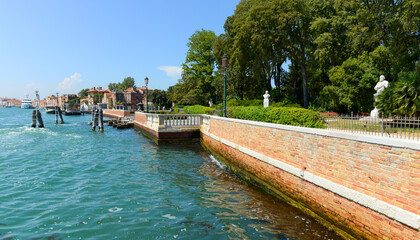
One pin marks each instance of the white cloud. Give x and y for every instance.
(173, 72)
(69, 82)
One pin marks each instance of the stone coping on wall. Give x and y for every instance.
(392, 142)
(403, 216)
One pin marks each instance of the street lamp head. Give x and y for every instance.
(146, 80)
(225, 61)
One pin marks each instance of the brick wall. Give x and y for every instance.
(116, 113)
(140, 118)
(368, 189)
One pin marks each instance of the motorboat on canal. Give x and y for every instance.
(50, 109)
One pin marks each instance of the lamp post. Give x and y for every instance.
(99, 97)
(146, 80)
(225, 63)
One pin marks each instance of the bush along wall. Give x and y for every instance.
(198, 109)
(281, 115)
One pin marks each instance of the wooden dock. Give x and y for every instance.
(121, 122)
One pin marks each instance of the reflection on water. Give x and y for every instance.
(238, 210)
(259, 211)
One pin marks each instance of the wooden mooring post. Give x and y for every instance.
(101, 120)
(97, 119)
(58, 113)
(36, 115)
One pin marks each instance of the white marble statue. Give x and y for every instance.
(210, 103)
(379, 88)
(266, 101)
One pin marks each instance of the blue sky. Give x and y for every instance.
(65, 46)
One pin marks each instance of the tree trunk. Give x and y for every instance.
(304, 79)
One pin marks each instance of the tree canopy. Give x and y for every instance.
(195, 86)
(337, 50)
(113, 86)
(83, 93)
(159, 97)
(128, 82)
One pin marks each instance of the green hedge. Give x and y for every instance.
(198, 109)
(236, 102)
(281, 115)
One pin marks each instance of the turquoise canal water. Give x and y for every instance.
(67, 182)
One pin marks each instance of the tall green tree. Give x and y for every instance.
(159, 97)
(83, 93)
(128, 82)
(195, 87)
(113, 86)
(252, 44)
(296, 17)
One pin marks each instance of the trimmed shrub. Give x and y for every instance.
(235, 102)
(277, 104)
(160, 112)
(280, 115)
(286, 104)
(198, 109)
(232, 103)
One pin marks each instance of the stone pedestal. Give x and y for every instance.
(374, 113)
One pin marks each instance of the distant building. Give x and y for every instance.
(107, 99)
(129, 98)
(41, 104)
(51, 101)
(66, 98)
(93, 94)
(10, 102)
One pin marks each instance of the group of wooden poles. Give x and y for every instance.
(97, 118)
(37, 117)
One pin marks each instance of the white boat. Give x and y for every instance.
(26, 102)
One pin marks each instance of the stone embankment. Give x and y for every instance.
(361, 186)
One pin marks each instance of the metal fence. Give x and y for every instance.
(392, 126)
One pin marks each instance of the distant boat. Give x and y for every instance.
(26, 103)
(69, 113)
(50, 109)
(70, 110)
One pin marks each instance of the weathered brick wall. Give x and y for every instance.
(140, 118)
(390, 175)
(116, 113)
